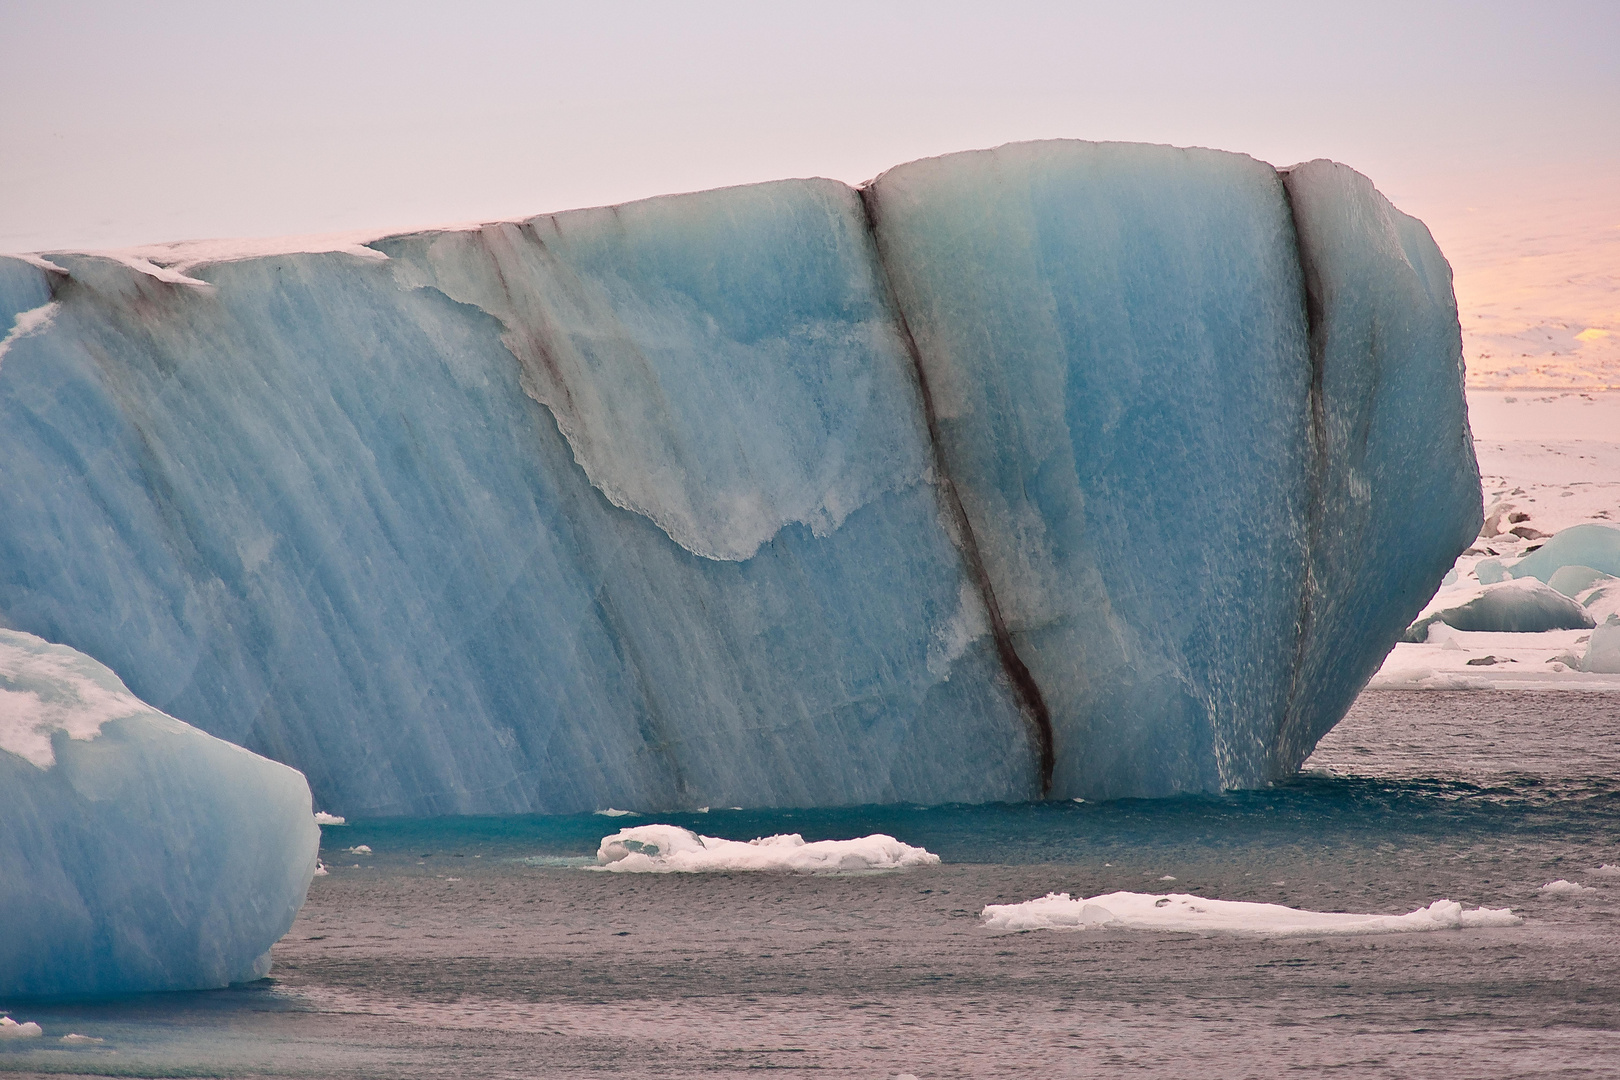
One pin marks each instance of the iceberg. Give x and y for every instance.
(138, 853)
(1521, 606)
(1063, 469)
(1596, 547)
(1603, 652)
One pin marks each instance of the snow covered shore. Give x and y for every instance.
(1549, 463)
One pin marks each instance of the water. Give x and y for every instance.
(478, 946)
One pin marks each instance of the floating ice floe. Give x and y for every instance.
(1183, 911)
(610, 812)
(1608, 870)
(10, 1029)
(323, 818)
(663, 849)
(73, 1038)
(1565, 888)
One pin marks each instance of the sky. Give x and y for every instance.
(1498, 124)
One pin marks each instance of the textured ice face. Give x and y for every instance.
(317, 512)
(723, 363)
(1114, 341)
(138, 853)
(1394, 485)
(1122, 461)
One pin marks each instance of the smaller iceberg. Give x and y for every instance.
(1594, 546)
(1603, 653)
(1185, 912)
(665, 849)
(137, 853)
(1574, 580)
(1520, 606)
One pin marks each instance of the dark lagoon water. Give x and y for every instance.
(479, 947)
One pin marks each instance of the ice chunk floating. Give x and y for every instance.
(137, 853)
(663, 849)
(1065, 469)
(1185, 912)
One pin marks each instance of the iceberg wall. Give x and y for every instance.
(138, 853)
(998, 477)
(1114, 344)
(1394, 483)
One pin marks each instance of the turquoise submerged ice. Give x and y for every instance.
(1064, 468)
(137, 853)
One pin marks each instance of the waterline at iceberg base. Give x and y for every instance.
(1067, 469)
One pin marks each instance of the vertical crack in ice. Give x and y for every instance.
(1030, 699)
(1282, 763)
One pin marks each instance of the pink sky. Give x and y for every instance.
(1498, 124)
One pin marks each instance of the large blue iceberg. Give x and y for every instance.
(1062, 469)
(136, 852)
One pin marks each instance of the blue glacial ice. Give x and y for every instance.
(1394, 486)
(138, 853)
(1590, 545)
(1065, 467)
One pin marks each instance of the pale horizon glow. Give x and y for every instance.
(1498, 124)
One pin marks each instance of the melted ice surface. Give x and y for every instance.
(664, 849)
(1183, 911)
(47, 688)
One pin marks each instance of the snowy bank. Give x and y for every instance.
(1185, 912)
(664, 849)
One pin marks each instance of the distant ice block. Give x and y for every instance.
(1066, 468)
(664, 849)
(1523, 606)
(1594, 546)
(137, 853)
(1603, 651)
(1575, 579)
(1185, 912)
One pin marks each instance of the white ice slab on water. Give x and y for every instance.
(664, 849)
(11, 1029)
(1185, 912)
(138, 853)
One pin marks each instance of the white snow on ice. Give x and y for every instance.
(663, 849)
(47, 688)
(323, 818)
(1185, 912)
(1565, 888)
(28, 322)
